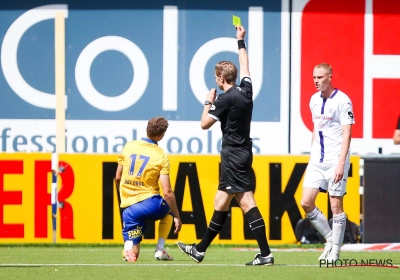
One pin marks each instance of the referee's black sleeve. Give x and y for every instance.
(246, 83)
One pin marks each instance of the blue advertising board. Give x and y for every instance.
(133, 61)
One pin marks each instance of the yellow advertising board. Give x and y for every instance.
(89, 210)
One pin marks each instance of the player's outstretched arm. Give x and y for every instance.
(169, 197)
(243, 57)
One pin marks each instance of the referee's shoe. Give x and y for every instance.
(259, 260)
(190, 250)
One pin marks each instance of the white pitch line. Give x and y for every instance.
(137, 264)
(16, 265)
(177, 250)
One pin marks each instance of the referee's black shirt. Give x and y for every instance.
(234, 110)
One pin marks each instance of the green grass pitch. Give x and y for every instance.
(75, 262)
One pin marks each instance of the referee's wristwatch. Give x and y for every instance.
(207, 102)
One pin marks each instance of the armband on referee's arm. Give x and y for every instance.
(241, 44)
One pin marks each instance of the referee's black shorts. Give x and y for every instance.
(235, 169)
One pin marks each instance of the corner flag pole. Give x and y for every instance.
(60, 111)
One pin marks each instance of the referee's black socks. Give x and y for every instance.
(216, 224)
(257, 226)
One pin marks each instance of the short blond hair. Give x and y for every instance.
(326, 66)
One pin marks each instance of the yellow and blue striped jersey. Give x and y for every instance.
(143, 161)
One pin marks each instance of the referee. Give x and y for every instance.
(233, 109)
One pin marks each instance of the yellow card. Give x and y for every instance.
(236, 20)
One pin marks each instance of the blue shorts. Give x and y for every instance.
(134, 217)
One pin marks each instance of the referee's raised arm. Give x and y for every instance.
(243, 58)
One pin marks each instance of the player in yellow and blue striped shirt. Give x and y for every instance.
(141, 164)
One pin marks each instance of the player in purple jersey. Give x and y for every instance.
(327, 170)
